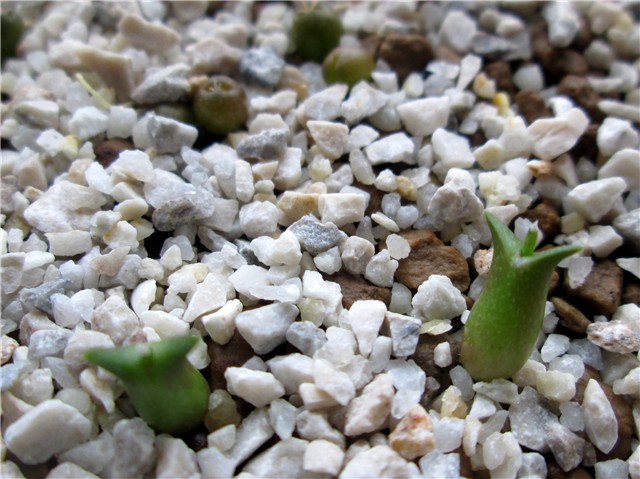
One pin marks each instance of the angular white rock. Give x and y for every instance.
(342, 208)
(595, 198)
(50, 428)
(369, 411)
(424, 116)
(323, 457)
(265, 327)
(256, 387)
(600, 420)
(437, 298)
(603, 240)
(553, 136)
(366, 317)
(615, 134)
(394, 148)
(624, 164)
(330, 138)
(222, 323)
(332, 381)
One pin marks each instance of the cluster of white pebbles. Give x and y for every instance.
(277, 208)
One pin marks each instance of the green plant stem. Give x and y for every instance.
(506, 320)
(166, 390)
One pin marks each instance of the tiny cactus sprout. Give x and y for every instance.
(315, 32)
(166, 390)
(220, 105)
(348, 65)
(506, 320)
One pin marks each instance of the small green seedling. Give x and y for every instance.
(220, 105)
(166, 390)
(348, 65)
(315, 32)
(506, 320)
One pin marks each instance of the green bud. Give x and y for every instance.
(506, 320)
(166, 390)
(348, 65)
(11, 30)
(316, 32)
(220, 105)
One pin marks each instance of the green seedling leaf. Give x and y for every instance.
(166, 390)
(505, 321)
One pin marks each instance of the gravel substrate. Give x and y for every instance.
(327, 253)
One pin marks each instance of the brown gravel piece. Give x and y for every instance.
(355, 288)
(109, 150)
(531, 106)
(405, 53)
(429, 255)
(570, 316)
(631, 293)
(578, 88)
(547, 217)
(424, 355)
(233, 354)
(554, 471)
(621, 408)
(557, 62)
(501, 72)
(587, 145)
(601, 291)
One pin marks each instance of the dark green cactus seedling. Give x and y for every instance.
(348, 65)
(505, 322)
(220, 105)
(315, 32)
(166, 390)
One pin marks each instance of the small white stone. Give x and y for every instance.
(50, 428)
(174, 458)
(325, 104)
(329, 261)
(69, 243)
(209, 295)
(121, 121)
(556, 385)
(529, 77)
(356, 252)
(553, 136)
(256, 387)
(88, 122)
(450, 151)
(603, 240)
(457, 31)
(332, 381)
(442, 355)
(134, 165)
(292, 370)
(394, 148)
(360, 137)
(595, 198)
(600, 420)
(341, 208)
(555, 345)
(259, 218)
(381, 268)
(166, 325)
(368, 412)
(424, 116)
(437, 298)
(366, 317)
(315, 425)
(625, 164)
(330, 138)
(378, 461)
(363, 101)
(322, 456)
(222, 439)
(221, 324)
(283, 418)
(315, 399)
(614, 135)
(81, 342)
(265, 327)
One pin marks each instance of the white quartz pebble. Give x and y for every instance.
(342, 208)
(366, 317)
(600, 420)
(265, 327)
(624, 164)
(221, 324)
(256, 387)
(368, 412)
(603, 240)
(333, 382)
(50, 428)
(331, 138)
(595, 198)
(553, 136)
(437, 298)
(394, 148)
(450, 151)
(615, 134)
(322, 456)
(69, 243)
(424, 116)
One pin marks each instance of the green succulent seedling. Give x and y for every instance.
(220, 105)
(348, 65)
(506, 320)
(166, 390)
(315, 32)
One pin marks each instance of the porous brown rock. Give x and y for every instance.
(601, 291)
(570, 317)
(356, 288)
(429, 255)
(233, 354)
(500, 71)
(578, 88)
(547, 217)
(531, 106)
(405, 53)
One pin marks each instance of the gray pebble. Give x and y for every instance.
(314, 236)
(262, 66)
